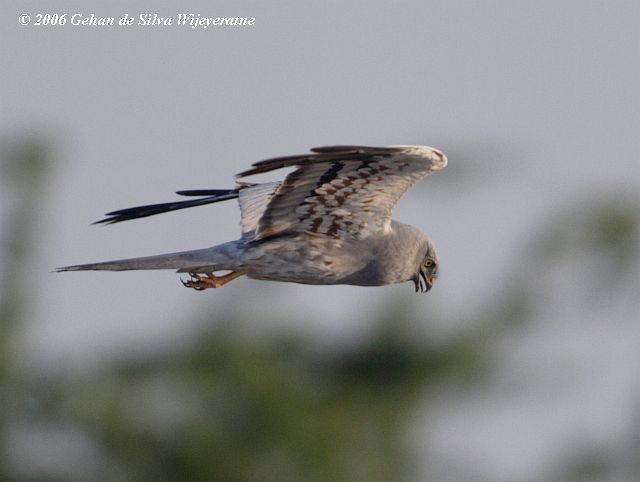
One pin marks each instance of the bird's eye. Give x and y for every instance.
(429, 263)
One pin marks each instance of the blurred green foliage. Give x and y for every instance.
(273, 408)
(270, 409)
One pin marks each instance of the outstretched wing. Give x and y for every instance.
(252, 198)
(336, 191)
(212, 196)
(342, 191)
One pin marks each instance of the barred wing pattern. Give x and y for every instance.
(341, 191)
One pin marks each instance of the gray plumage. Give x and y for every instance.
(328, 222)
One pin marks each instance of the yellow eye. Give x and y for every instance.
(429, 263)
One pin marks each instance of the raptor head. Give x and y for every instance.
(427, 273)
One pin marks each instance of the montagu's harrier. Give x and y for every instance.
(328, 222)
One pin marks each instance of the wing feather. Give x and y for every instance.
(213, 196)
(321, 154)
(336, 191)
(342, 191)
(253, 200)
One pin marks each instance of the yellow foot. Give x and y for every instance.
(201, 282)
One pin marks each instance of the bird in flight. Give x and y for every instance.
(328, 222)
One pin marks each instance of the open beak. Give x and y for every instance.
(421, 282)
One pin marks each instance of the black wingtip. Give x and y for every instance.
(102, 221)
(153, 209)
(206, 192)
(111, 219)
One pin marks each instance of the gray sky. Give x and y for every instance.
(535, 103)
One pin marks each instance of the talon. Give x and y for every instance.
(194, 282)
(209, 280)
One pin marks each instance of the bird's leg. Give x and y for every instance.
(199, 282)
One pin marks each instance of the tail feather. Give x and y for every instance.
(214, 196)
(198, 261)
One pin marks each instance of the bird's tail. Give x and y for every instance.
(197, 261)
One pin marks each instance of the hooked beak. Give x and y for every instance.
(421, 282)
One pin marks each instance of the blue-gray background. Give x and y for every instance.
(535, 103)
